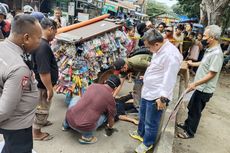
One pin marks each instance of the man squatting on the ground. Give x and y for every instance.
(95, 107)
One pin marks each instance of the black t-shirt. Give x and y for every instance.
(141, 28)
(224, 47)
(44, 62)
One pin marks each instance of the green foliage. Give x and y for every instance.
(226, 18)
(156, 8)
(191, 8)
(177, 9)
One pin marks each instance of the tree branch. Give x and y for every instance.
(221, 4)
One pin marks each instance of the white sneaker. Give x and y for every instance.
(142, 148)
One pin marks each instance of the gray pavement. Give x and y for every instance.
(213, 132)
(67, 142)
(212, 136)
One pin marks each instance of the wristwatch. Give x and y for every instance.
(165, 100)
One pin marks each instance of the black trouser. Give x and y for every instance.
(195, 107)
(138, 83)
(122, 106)
(17, 141)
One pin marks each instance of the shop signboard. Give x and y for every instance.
(83, 16)
(71, 8)
(109, 7)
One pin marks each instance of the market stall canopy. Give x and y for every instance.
(141, 14)
(198, 25)
(168, 18)
(88, 31)
(168, 15)
(126, 4)
(184, 19)
(140, 2)
(113, 6)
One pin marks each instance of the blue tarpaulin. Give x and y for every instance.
(184, 18)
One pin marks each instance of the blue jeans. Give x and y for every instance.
(86, 134)
(149, 121)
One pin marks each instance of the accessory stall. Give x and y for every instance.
(85, 52)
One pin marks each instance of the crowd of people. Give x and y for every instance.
(29, 72)
(189, 42)
(6, 16)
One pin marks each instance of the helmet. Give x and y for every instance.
(28, 9)
(3, 10)
(6, 7)
(38, 15)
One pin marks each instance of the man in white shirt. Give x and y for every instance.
(159, 81)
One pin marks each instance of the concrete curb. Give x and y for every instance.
(165, 143)
(166, 139)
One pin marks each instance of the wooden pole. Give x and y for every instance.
(81, 24)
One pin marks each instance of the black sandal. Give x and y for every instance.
(181, 125)
(184, 135)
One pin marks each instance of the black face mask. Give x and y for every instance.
(205, 43)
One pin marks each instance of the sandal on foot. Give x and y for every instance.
(181, 125)
(184, 135)
(46, 137)
(48, 123)
(91, 140)
(135, 122)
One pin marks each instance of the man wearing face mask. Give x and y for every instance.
(18, 88)
(205, 80)
(46, 73)
(159, 81)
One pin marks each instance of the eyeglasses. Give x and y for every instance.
(168, 31)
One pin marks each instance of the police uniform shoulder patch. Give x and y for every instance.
(26, 83)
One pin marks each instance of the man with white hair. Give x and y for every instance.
(205, 81)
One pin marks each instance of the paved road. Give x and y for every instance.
(213, 133)
(67, 142)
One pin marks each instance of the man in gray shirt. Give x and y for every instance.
(18, 87)
(205, 81)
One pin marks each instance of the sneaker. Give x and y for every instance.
(135, 135)
(142, 148)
